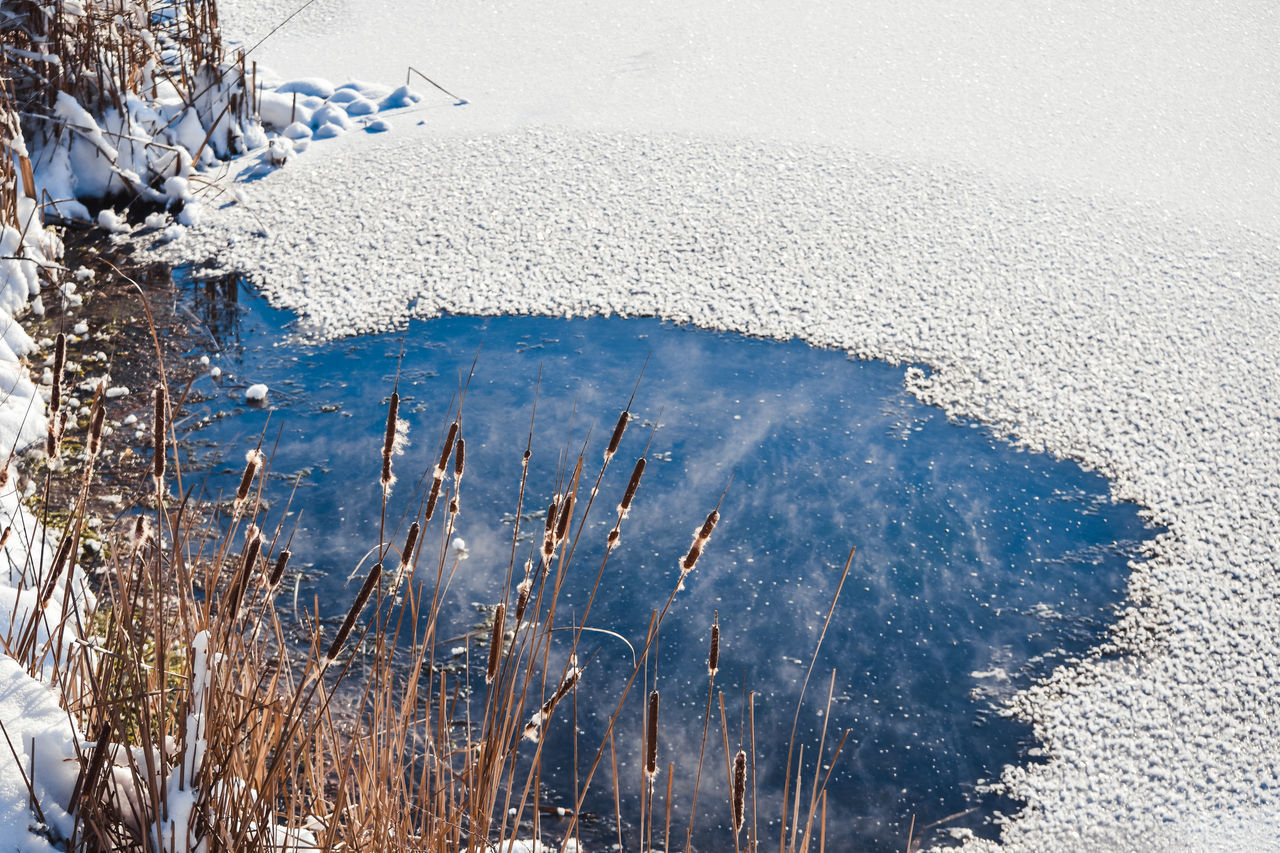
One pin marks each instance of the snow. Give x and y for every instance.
(1067, 213)
(255, 393)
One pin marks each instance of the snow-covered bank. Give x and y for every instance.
(1142, 343)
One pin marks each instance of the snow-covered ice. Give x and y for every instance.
(1068, 214)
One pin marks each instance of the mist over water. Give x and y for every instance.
(979, 567)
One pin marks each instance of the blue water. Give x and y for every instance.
(979, 566)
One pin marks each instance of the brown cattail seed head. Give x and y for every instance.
(713, 659)
(651, 739)
(158, 431)
(739, 789)
(348, 623)
(389, 441)
(253, 459)
(616, 438)
(459, 459)
(410, 542)
(95, 428)
(566, 514)
(522, 596)
(447, 449)
(277, 571)
(431, 500)
(634, 483)
(59, 365)
(495, 642)
(709, 525)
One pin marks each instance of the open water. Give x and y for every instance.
(979, 566)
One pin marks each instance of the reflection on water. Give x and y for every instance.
(979, 567)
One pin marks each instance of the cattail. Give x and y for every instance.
(253, 459)
(739, 789)
(277, 571)
(446, 451)
(347, 624)
(651, 740)
(523, 590)
(410, 542)
(139, 533)
(699, 540)
(549, 531)
(459, 458)
(4, 537)
(713, 659)
(389, 442)
(630, 494)
(709, 525)
(431, 500)
(562, 524)
(252, 548)
(531, 729)
(95, 427)
(59, 364)
(158, 431)
(495, 642)
(616, 438)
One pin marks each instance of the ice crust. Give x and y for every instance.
(1141, 345)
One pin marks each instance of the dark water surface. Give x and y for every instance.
(979, 567)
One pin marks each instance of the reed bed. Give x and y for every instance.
(216, 722)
